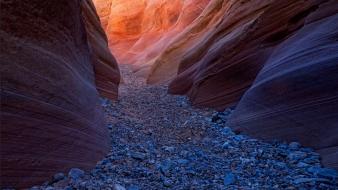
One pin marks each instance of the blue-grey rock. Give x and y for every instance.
(182, 161)
(138, 156)
(294, 146)
(58, 177)
(229, 179)
(133, 187)
(167, 182)
(328, 173)
(311, 160)
(302, 165)
(307, 180)
(297, 155)
(118, 187)
(227, 131)
(239, 138)
(76, 174)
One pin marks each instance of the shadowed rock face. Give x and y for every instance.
(107, 75)
(51, 119)
(295, 95)
(139, 30)
(292, 44)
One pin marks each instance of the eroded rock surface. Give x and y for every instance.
(216, 60)
(295, 95)
(107, 75)
(50, 117)
(139, 30)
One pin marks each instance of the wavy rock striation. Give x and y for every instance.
(295, 95)
(225, 48)
(292, 44)
(51, 119)
(139, 30)
(107, 75)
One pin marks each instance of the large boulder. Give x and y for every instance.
(295, 96)
(51, 119)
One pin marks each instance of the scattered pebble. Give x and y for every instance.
(160, 141)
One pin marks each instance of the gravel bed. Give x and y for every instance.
(160, 141)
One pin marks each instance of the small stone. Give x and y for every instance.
(328, 173)
(229, 179)
(110, 126)
(302, 165)
(109, 181)
(169, 148)
(294, 146)
(68, 188)
(35, 188)
(239, 138)
(307, 180)
(182, 161)
(138, 156)
(133, 187)
(227, 131)
(311, 160)
(297, 155)
(280, 165)
(118, 187)
(76, 173)
(58, 177)
(167, 182)
(226, 145)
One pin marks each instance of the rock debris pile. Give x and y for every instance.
(159, 141)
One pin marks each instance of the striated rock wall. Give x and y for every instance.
(221, 53)
(295, 95)
(292, 44)
(139, 30)
(51, 119)
(107, 75)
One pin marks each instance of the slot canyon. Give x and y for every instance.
(169, 94)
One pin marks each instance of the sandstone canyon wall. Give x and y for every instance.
(224, 49)
(292, 44)
(139, 30)
(51, 119)
(107, 75)
(295, 95)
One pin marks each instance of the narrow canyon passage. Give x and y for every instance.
(159, 141)
(122, 94)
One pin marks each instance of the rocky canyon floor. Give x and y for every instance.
(159, 141)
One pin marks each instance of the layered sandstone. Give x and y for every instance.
(293, 44)
(107, 75)
(51, 119)
(139, 30)
(217, 58)
(295, 95)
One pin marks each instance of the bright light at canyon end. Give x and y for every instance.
(139, 30)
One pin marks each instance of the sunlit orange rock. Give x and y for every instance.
(139, 30)
(217, 58)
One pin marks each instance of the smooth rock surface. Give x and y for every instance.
(51, 119)
(107, 74)
(225, 48)
(295, 95)
(139, 30)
